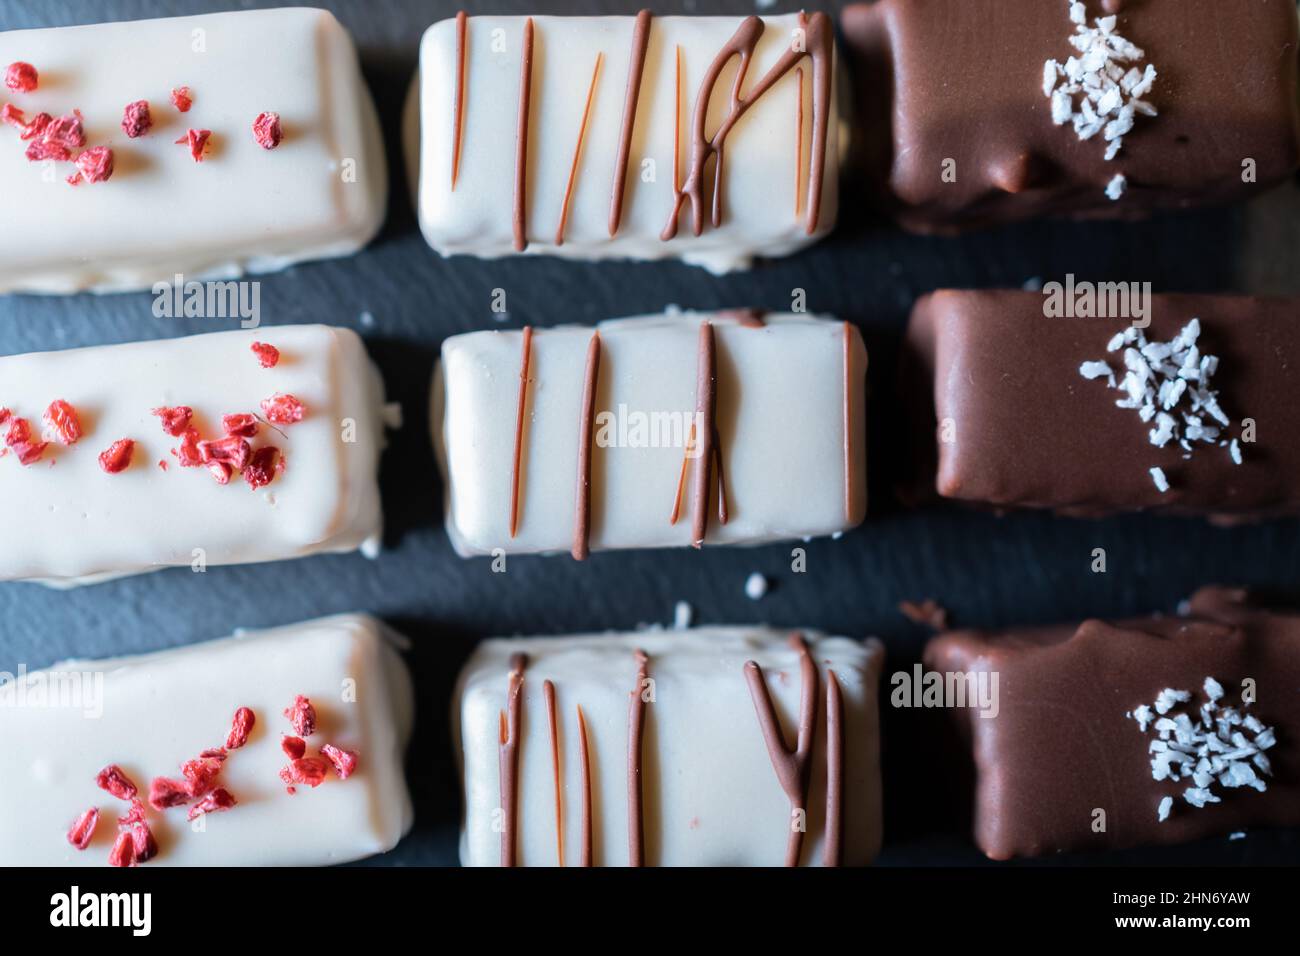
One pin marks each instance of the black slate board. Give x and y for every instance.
(988, 571)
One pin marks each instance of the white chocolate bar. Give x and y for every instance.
(781, 158)
(78, 524)
(790, 434)
(701, 773)
(149, 714)
(321, 192)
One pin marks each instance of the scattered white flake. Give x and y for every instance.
(367, 320)
(1091, 370)
(755, 586)
(1117, 186)
(682, 615)
(1239, 835)
(1204, 745)
(1234, 449)
(1161, 482)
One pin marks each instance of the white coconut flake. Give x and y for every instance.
(1166, 805)
(1161, 482)
(682, 615)
(1116, 188)
(755, 586)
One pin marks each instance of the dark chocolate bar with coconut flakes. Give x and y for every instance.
(1194, 413)
(1153, 731)
(979, 112)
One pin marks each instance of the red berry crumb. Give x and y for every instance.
(136, 119)
(123, 852)
(197, 141)
(132, 823)
(188, 452)
(294, 747)
(308, 770)
(114, 780)
(165, 793)
(162, 464)
(268, 355)
(54, 138)
(261, 470)
(220, 472)
(175, 419)
(62, 417)
(282, 409)
(182, 98)
(240, 728)
(82, 831)
(19, 438)
(200, 774)
(231, 450)
(214, 753)
(11, 115)
(218, 800)
(118, 457)
(243, 425)
(302, 715)
(266, 130)
(21, 77)
(95, 165)
(344, 761)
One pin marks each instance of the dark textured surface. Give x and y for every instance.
(989, 571)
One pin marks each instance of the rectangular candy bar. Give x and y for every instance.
(273, 748)
(1193, 413)
(188, 451)
(1154, 731)
(595, 137)
(658, 431)
(708, 747)
(979, 112)
(279, 157)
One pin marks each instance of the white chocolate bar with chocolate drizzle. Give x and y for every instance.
(77, 524)
(586, 149)
(788, 436)
(320, 193)
(150, 713)
(657, 752)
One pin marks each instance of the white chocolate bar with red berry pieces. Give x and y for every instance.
(320, 192)
(81, 521)
(660, 755)
(586, 149)
(147, 715)
(787, 423)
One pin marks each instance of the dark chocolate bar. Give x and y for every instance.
(1086, 415)
(958, 115)
(1109, 735)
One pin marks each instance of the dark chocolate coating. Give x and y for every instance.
(962, 80)
(1028, 430)
(1061, 746)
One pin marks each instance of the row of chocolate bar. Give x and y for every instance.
(247, 141)
(715, 746)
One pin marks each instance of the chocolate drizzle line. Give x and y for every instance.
(577, 152)
(677, 125)
(462, 23)
(819, 43)
(509, 757)
(798, 143)
(548, 692)
(635, 71)
(635, 731)
(848, 423)
(582, 494)
(706, 381)
(525, 361)
(792, 767)
(834, 771)
(585, 858)
(521, 139)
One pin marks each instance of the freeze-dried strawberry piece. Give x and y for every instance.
(213, 753)
(38, 151)
(143, 844)
(305, 770)
(175, 419)
(243, 425)
(266, 130)
(29, 452)
(220, 472)
(21, 77)
(114, 780)
(62, 417)
(165, 793)
(123, 852)
(81, 832)
(268, 355)
(95, 165)
(200, 774)
(54, 138)
(218, 800)
(11, 115)
(136, 119)
(118, 456)
(232, 450)
(240, 728)
(5, 415)
(282, 409)
(344, 761)
(197, 141)
(182, 98)
(302, 715)
(261, 467)
(188, 452)
(19, 430)
(294, 747)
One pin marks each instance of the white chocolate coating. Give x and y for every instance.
(322, 192)
(78, 524)
(161, 709)
(476, 218)
(711, 795)
(781, 398)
